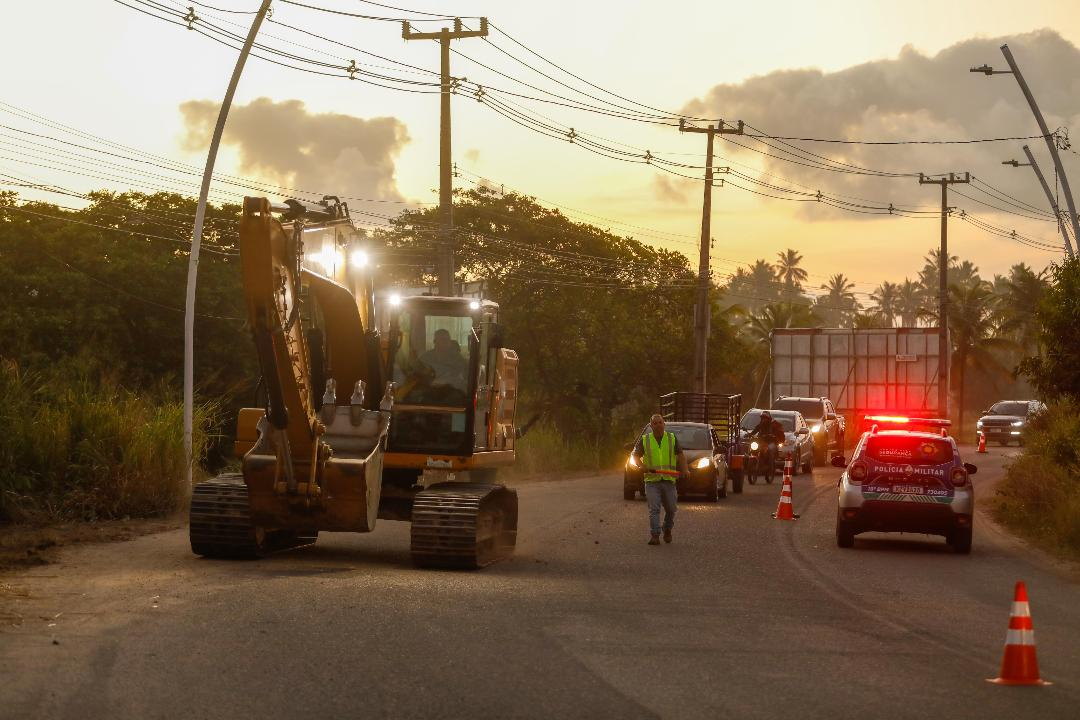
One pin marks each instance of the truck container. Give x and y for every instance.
(878, 371)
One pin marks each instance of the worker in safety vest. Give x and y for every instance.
(663, 461)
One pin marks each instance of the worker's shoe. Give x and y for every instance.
(667, 536)
(654, 540)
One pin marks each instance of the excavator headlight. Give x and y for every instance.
(358, 259)
(395, 300)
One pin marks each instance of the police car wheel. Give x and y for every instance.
(960, 540)
(845, 536)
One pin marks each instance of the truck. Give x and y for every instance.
(864, 372)
(722, 413)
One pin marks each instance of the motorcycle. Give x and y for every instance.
(759, 463)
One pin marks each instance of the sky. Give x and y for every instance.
(831, 70)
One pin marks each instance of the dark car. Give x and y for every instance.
(704, 459)
(1007, 421)
(826, 426)
(906, 480)
(797, 445)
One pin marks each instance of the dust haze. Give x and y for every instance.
(285, 143)
(911, 96)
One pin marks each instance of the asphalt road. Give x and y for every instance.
(741, 617)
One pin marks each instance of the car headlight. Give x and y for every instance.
(754, 445)
(703, 463)
(816, 428)
(632, 461)
(1018, 423)
(978, 424)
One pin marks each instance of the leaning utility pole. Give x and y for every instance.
(196, 238)
(943, 286)
(1014, 69)
(446, 190)
(1049, 195)
(702, 314)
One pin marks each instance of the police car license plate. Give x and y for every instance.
(908, 489)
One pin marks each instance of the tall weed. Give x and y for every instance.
(75, 445)
(1039, 497)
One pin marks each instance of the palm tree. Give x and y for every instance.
(837, 305)
(928, 276)
(1018, 296)
(909, 301)
(780, 315)
(872, 319)
(886, 300)
(789, 272)
(971, 328)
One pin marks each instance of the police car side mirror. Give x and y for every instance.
(971, 469)
(839, 461)
(628, 446)
(804, 431)
(830, 416)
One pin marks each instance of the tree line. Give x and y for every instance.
(603, 322)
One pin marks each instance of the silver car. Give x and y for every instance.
(905, 481)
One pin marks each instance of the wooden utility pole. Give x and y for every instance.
(446, 192)
(943, 286)
(702, 310)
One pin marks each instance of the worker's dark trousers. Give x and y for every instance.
(661, 493)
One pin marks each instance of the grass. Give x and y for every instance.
(77, 446)
(1039, 498)
(544, 450)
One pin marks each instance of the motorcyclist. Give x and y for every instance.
(771, 433)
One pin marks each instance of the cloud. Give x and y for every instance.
(673, 191)
(912, 96)
(320, 152)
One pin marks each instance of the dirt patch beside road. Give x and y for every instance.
(23, 546)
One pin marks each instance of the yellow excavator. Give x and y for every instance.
(324, 453)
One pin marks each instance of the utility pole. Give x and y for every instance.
(1051, 145)
(1049, 195)
(943, 285)
(446, 182)
(196, 238)
(702, 314)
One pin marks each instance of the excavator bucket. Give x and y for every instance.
(463, 525)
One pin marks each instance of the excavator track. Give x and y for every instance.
(463, 525)
(221, 524)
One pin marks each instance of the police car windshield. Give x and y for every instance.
(752, 418)
(1010, 408)
(811, 409)
(907, 449)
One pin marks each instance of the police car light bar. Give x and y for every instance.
(901, 420)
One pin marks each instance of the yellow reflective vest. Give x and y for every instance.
(658, 456)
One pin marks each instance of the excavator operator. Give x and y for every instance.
(445, 366)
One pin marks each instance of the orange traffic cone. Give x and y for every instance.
(982, 442)
(1019, 665)
(783, 508)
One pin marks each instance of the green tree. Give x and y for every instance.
(789, 272)
(886, 301)
(1056, 373)
(1018, 297)
(909, 302)
(838, 305)
(971, 329)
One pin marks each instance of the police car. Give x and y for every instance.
(903, 479)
